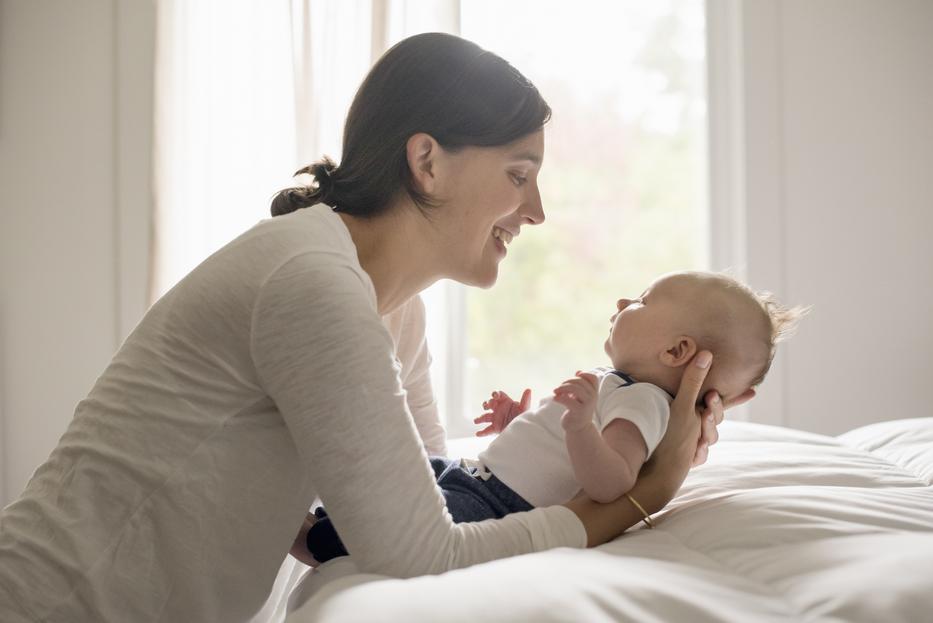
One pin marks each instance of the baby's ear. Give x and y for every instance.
(679, 352)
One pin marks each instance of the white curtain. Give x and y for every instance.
(247, 92)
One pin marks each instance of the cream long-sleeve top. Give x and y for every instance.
(265, 378)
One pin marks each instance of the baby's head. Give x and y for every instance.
(654, 336)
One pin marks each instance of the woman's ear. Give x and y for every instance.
(422, 152)
(679, 352)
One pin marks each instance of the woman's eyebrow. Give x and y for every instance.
(533, 158)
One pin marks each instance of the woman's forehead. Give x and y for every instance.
(529, 148)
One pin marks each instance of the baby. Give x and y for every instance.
(601, 426)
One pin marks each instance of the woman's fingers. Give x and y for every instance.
(714, 405)
(709, 435)
(712, 417)
(701, 455)
(742, 398)
(678, 447)
(692, 381)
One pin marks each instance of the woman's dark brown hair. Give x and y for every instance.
(445, 86)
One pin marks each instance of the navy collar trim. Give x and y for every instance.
(622, 375)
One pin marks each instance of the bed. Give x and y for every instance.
(779, 525)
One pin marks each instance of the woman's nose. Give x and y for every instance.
(532, 210)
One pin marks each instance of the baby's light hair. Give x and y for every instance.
(718, 329)
(784, 321)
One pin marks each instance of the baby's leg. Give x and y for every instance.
(464, 505)
(323, 541)
(467, 499)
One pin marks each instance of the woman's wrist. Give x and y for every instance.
(657, 484)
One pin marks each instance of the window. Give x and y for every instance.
(623, 184)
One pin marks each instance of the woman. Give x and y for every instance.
(267, 377)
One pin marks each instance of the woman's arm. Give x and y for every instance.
(324, 357)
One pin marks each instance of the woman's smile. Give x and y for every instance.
(502, 238)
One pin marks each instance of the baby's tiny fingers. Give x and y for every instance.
(486, 431)
(564, 399)
(589, 377)
(581, 387)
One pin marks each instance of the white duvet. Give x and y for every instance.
(779, 525)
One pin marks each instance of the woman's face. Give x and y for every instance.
(487, 195)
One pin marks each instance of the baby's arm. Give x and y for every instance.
(605, 464)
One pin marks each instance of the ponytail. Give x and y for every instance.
(291, 199)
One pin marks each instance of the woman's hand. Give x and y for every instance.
(712, 417)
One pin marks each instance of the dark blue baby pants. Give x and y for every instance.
(469, 498)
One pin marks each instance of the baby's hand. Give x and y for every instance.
(501, 411)
(579, 396)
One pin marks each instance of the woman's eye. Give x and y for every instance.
(518, 179)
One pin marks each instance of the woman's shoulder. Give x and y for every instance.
(308, 250)
(309, 229)
(315, 237)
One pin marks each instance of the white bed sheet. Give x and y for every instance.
(779, 525)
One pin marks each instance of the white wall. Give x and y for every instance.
(858, 166)
(75, 145)
(835, 138)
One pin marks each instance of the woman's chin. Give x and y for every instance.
(484, 276)
(484, 282)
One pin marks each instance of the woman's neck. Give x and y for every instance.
(392, 249)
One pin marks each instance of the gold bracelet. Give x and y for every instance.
(647, 518)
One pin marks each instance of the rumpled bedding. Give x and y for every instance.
(779, 525)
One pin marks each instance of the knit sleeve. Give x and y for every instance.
(416, 361)
(324, 357)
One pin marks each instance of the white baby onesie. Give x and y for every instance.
(530, 455)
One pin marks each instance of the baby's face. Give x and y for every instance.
(642, 327)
